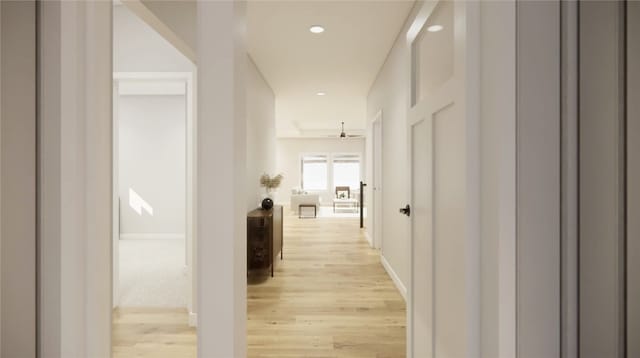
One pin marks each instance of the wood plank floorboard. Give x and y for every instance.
(330, 297)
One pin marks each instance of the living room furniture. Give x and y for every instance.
(343, 199)
(306, 199)
(343, 190)
(264, 238)
(301, 206)
(350, 203)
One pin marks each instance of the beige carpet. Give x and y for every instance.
(153, 273)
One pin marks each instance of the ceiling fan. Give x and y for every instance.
(344, 135)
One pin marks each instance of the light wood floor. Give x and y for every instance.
(330, 297)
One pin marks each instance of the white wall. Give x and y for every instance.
(261, 133)
(289, 150)
(390, 94)
(179, 16)
(221, 137)
(152, 143)
(139, 48)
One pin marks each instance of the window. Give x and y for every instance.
(346, 170)
(314, 172)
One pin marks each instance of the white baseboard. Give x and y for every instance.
(193, 319)
(368, 237)
(394, 277)
(139, 236)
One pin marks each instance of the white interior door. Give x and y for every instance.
(423, 321)
(442, 317)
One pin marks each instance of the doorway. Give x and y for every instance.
(152, 194)
(150, 119)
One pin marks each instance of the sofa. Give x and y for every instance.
(300, 197)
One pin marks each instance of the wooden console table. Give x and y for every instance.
(264, 238)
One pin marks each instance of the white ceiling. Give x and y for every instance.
(343, 61)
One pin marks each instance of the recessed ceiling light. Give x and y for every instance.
(316, 29)
(321, 93)
(434, 28)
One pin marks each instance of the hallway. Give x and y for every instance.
(330, 297)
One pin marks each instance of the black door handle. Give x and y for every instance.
(406, 210)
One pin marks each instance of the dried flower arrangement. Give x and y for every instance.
(270, 183)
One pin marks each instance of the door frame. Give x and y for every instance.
(463, 86)
(84, 78)
(20, 205)
(633, 176)
(376, 237)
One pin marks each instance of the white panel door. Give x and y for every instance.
(422, 243)
(442, 312)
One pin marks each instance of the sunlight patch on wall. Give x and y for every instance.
(138, 204)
